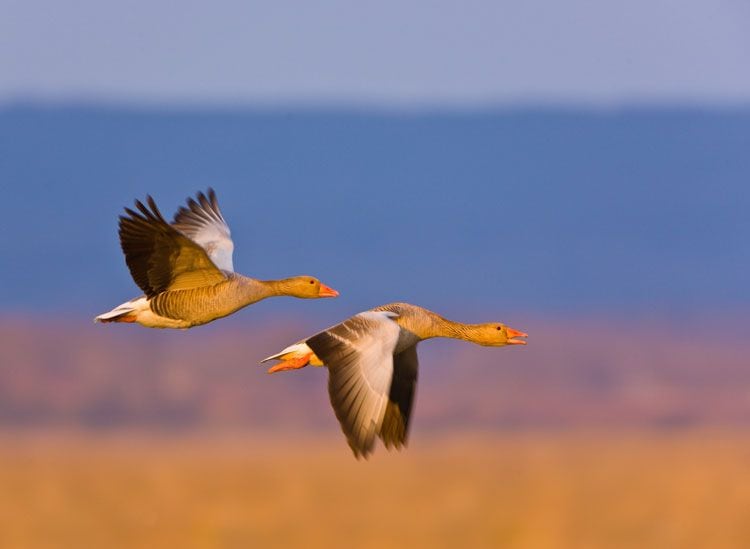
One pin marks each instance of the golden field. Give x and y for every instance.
(597, 435)
(590, 490)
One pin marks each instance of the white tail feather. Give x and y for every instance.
(293, 351)
(122, 309)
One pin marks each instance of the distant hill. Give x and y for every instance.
(591, 373)
(537, 210)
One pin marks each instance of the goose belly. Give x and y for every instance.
(150, 319)
(195, 306)
(139, 310)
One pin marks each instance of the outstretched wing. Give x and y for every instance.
(359, 356)
(395, 428)
(159, 256)
(201, 221)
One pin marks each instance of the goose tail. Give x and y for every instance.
(294, 357)
(126, 312)
(298, 350)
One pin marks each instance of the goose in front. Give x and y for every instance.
(185, 268)
(372, 366)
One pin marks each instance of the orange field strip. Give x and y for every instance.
(690, 489)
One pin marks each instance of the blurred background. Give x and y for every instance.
(577, 170)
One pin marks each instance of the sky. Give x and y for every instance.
(569, 155)
(390, 53)
(571, 212)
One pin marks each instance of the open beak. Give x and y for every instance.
(513, 335)
(327, 291)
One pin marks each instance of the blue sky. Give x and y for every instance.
(549, 211)
(388, 53)
(541, 208)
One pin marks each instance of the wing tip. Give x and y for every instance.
(360, 453)
(202, 208)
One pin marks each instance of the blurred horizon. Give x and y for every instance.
(583, 374)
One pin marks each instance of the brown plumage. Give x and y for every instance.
(185, 268)
(160, 257)
(372, 366)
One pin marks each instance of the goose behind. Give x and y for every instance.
(373, 365)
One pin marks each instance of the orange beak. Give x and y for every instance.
(327, 291)
(513, 334)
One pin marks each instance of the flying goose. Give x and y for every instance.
(372, 366)
(185, 268)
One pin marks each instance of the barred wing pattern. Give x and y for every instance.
(359, 356)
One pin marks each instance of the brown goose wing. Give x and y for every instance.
(359, 356)
(395, 428)
(159, 256)
(201, 221)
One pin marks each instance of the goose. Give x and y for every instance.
(185, 268)
(372, 366)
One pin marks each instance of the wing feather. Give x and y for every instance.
(159, 256)
(359, 356)
(395, 428)
(202, 222)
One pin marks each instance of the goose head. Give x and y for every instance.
(308, 287)
(496, 334)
